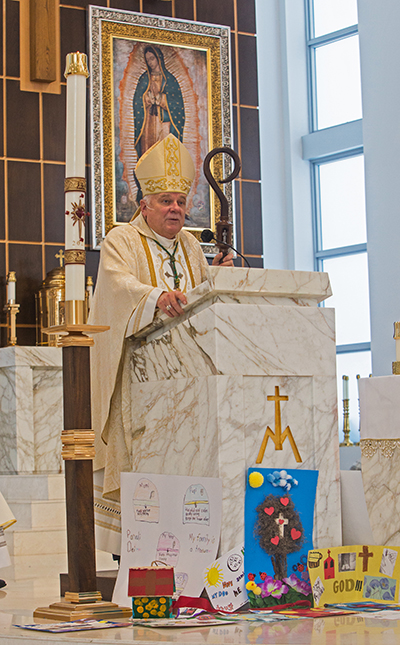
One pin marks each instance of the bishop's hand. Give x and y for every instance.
(223, 260)
(170, 303)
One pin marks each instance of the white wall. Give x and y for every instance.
(286, 192)
(379, 26)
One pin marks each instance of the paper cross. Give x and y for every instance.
(365, 555)
(281, 522)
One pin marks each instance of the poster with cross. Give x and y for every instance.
(279, 517)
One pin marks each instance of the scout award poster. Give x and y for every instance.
(278, 525)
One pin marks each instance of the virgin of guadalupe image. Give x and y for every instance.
(157, 103)
(159, 89)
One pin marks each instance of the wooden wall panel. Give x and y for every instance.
(32, 144)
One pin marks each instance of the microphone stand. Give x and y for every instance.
(207, 235)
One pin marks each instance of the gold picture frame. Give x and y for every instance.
(194, 68)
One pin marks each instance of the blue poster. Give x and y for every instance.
(279, 518)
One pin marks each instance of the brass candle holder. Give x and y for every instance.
(346, 414)
(396, 336)
(12, 308)
(357, 443)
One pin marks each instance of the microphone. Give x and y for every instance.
(207, 235)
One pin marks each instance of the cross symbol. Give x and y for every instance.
(168, 275)
(60, 256)
(365, 555)
(278, 437)
(281, 522)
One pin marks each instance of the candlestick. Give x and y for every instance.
(11, 287)
(346, 413)
(82, 597)
(359, 410)
(76, 73)
(345, 380)
(12, 309)
(396, 336)
(89, 291)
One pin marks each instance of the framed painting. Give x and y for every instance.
(151, 76)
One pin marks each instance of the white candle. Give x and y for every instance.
(76, 125)
(345, 387)
(11, 287)
(76, 74)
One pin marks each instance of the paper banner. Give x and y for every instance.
(279, 516)
(355, 573)
(5, 560)
(172, 519)
(224, 581)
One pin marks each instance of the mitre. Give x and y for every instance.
(166, 167)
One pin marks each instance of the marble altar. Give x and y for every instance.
(30, 410)
(380, 455)
(199, 387)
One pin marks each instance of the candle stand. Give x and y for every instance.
(12, 309)
(346, 413)
(396, 336)
(82, 600)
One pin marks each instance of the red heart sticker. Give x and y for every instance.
(281, 521)
(284, 501)
(275, 540)
(295, 534)
(269, 510)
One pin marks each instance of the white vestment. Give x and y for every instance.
(133, 273)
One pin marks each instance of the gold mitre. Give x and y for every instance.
(165, 167)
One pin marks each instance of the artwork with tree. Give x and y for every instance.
(279, 531)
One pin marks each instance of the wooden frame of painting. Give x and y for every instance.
(186, 92)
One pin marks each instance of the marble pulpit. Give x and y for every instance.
(199, 388)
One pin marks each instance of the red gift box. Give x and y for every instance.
(151, 581)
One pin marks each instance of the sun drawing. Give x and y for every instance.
(213, 575)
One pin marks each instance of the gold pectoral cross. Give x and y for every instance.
(278, 437)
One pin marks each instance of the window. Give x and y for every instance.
(332, 15)
(337, 82)
(337, 179)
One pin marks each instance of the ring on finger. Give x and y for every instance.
(168, 307)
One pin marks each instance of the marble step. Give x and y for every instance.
(33, 487)
(43, 541)
(37, 514)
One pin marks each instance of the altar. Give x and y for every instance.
(30, 410)
(200, 388)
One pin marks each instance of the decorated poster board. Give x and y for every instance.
(5, 560)
(354, 574)
(169, 519)
(224, 580)
(279, 517)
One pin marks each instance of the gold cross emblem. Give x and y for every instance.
(60, 257)
(278, 437)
